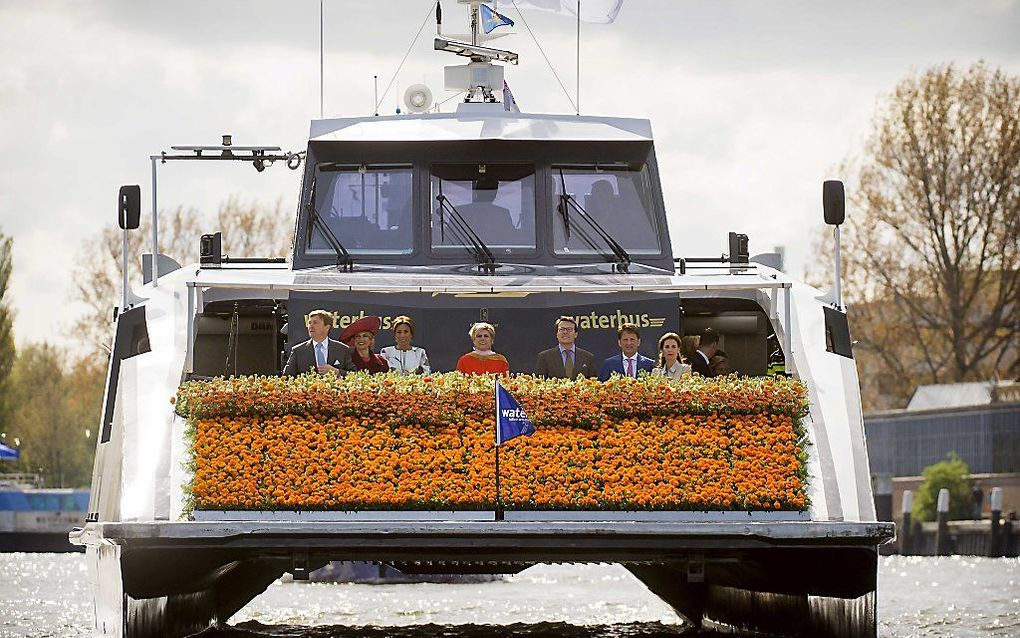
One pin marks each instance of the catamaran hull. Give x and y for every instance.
(782, 578)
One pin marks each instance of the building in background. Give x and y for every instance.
(980, 422)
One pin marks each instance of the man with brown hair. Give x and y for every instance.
(708, 346)
(319, 353)
(566, 360)
(629, 362)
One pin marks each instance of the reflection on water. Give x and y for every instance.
(575, 594)
(959, 596)
(253, 629)
(47, 595)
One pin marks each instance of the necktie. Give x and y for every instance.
(630, 367)
(320, 354)
(568, 363)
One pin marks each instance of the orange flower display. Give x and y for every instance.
(368, 442)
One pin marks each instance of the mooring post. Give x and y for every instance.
(906, 548)
(882, 484)
(1009, 544)
(995, 544)
(942, 533)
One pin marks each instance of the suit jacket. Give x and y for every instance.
(302, 357)
(699, 365)
(550, 363)
(615, 364)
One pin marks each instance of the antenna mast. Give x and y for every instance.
(321, 60)
(480, 78)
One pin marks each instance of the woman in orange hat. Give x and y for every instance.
(360, 336)
(482, 360)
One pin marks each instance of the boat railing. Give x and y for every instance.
(22, 480)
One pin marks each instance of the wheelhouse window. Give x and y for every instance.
(368, 208)
(617, 198)
(496, 202)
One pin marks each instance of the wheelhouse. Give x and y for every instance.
(559, 194)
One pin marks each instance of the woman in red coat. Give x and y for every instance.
(482, 359)
(360, 337)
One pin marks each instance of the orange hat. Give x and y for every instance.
(370, 323)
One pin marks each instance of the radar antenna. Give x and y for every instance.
(479, 78)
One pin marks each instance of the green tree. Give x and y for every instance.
(55, 403)
(951, 475)
(932, 239)
(7, 352)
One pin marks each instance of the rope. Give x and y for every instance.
(407, 53)
(542, 51)
(458, 94)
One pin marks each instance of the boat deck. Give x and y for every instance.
(540, 541)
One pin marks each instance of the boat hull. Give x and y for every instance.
(172, 579)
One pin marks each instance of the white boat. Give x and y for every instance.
(34, 518)
(479, 214)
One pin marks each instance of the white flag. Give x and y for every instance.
(603, 11)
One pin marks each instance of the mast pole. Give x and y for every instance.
(474, 23)
(321, 62)
(577, 103)
(499, 506)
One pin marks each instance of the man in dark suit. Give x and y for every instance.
(319, 353)
(702, 358)
(629, 362)
(566, 360)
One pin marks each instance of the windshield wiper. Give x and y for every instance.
(567, 200)
(463, 230)
(343, 258)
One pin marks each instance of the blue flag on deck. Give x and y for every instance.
(492, 19)
(511, 421)
(8, 453)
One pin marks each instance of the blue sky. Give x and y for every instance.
(752, 103)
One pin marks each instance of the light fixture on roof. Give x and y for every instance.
(418, 98)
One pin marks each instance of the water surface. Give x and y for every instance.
(47, 595)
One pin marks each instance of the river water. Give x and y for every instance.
(47, 595)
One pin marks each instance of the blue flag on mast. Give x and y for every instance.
(8, 453)
(511, 421)
(492, 19)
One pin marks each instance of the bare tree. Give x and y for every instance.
(7, 351)
(933, 232)
(249, 230)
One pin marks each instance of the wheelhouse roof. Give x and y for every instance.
(481, 124)
(754, 277)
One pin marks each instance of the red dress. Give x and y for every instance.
(473, 363)
(375, 363)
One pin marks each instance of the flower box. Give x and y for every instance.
(426, 443)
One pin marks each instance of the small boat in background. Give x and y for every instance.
(372, 573)
(38, 519)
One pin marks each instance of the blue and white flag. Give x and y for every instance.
(511, 421)
(492, 19)
(8, 453)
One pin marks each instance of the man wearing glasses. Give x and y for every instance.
(566, 360)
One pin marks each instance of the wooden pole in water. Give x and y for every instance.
(995, 543)
(942, 532)
(906, 547)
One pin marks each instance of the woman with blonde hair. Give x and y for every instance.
(403, 357)
(670, 363)
(482, 359)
